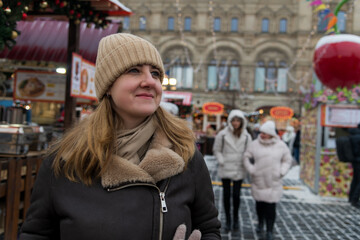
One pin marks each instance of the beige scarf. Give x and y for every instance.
(133, 143)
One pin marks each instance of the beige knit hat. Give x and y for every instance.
(119, 52)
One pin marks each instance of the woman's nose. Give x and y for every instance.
(147, 80)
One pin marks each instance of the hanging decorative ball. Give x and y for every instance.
(71, 12)
(43, 4)
(7, 10)
(88, 25)
(14, 34)
(100, 21)
(91, 13)
(57, 2)
(1, 3)
(26, 8)
(24, 16)
(337, 60)
(63, 4)
(77, 21)
(78, 15)
(18, 3)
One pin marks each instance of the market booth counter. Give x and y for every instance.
(22, 149)
(320, 168)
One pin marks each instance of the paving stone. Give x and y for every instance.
(300, 215)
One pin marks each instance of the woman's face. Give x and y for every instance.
(236, 123)
(136, 94)
(265, 136)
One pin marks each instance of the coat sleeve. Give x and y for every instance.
(218, 147)
(204, 211)
(286, 161)
(41, 222)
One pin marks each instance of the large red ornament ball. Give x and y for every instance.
(337, 60)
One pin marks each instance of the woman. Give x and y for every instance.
(271, 161)
(229, 147)
(128, 171)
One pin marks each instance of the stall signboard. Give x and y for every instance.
(345, 116)
(82, 78)
(281, 112)
(185, 97)
(213, 108)
(39, 86)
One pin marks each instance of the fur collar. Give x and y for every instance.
(160, 162)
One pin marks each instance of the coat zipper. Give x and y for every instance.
(163, 208)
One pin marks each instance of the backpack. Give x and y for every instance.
(344, 149)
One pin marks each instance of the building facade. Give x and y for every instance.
(246, 54)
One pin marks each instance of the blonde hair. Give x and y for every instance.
(85, 150)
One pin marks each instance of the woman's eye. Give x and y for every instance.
(155, 74)
(133, 70)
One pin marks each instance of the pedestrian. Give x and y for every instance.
(229, 147)
(267, 160)
(130, 170)
(354, 193)
(296, 144)
(289, 137)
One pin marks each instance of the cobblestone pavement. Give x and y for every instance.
(300, 214)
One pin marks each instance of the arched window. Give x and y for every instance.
(341, 21)
(223, 76)
(271, 77)
(283, 25)
(171, 24)
(234, 24)
(265, 25)
(217, 24)
(142, 23)
(187, 24)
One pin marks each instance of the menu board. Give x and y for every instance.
(39, 86)
(82, 78)
(340, 115)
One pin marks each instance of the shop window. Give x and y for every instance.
(271, 77)
(171, 24)
(142, 23)
(217, 24)
(187, 24)
(283, 25)
(224, 76)
(265, 25)
(234, 24)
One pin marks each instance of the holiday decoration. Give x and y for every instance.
(12, 11)
(337, 57)
(337, 60)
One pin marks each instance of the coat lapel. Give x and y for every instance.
(160, 162)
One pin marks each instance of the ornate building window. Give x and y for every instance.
(265, 25)
(271, 76)
(217, 24)
(341, 21)
(283, 25)
(187, 24)
(126, 23)
(177, 66)
(142, 23)
(171, 24)
(234, 24)
(323, 20)
(224, 74)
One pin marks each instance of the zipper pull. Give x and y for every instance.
(163, 203)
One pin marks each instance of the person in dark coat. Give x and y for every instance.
(130, 170)
(354, 193)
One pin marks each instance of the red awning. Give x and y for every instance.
(46, 40)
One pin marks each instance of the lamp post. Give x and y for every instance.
(169, 83)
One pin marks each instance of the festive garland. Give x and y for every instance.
(341, 95)
(12, 11)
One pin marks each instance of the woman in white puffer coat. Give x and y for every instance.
(229, 147)
(267, 159)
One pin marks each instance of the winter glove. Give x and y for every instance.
(181, 232)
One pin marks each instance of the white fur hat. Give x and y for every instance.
(269, 128)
